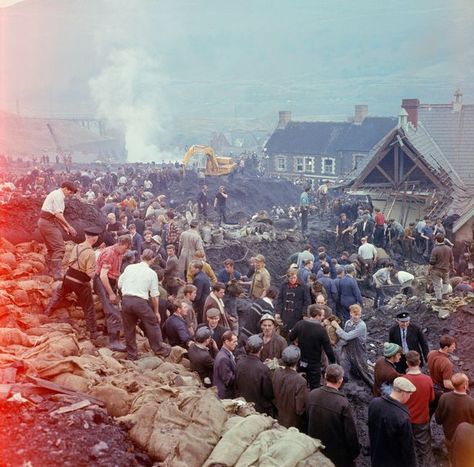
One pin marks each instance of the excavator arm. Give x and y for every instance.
(214, 165)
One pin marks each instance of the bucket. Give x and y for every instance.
(217, 237)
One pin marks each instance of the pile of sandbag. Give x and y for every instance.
(170, 414)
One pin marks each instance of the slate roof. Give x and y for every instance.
(425, 146)
(328, 138)
(454, 133)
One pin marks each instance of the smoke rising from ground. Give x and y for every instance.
(129, 93)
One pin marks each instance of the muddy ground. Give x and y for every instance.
(31, 434)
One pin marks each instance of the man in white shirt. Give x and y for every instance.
(51, 224)
(139, 284)
(368, 255)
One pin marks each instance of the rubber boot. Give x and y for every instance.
(115, 344)
(55, 299)
(56, 269)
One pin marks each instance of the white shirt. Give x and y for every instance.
(139, 280)
(367, 251)
(404, 276)
(54, 202)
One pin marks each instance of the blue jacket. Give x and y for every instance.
(331, 290)
(224, 374)
(349, 292)
(177, 331)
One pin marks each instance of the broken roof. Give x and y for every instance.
(328, 138)
(453, 131)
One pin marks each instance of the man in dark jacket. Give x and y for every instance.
(349, 293)
(253, 379)
(441, 263)
(390, 431)
(203, 203)
(409, 337)
(176, 329)
(290, 390)
(330, 419)
(259, 308)
(312, 338)
(292, 302)
(203, 284)
(384, 370)
(330, 287)
(225, 368)
(200, 357)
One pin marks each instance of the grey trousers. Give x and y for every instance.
(422, 436)
(111, 312)
(134, 310)
(440, 282)
(53, 238)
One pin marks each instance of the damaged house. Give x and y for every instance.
(323, 150)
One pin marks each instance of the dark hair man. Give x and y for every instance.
(330, 419)
(225, 367)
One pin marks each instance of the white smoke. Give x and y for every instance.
(129, 92)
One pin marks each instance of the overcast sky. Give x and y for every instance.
(250, 58)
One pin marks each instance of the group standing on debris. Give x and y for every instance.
(287, 347)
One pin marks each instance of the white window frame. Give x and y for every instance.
(323, 167)
(355, 157)
(309, 164)
(281, 160)
(297, 164)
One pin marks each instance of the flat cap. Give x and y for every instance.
(403, 384)
(194, 223)
(213, 313)
(202, 334)
(156, 239)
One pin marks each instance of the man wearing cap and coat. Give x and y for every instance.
(409, 337)
(384, 370)
(189, 242)
(390, 432)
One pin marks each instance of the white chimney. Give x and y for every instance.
(403, 119)
(457, 103)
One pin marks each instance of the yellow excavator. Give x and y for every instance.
(204, 159)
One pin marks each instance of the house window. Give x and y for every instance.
(356, 160)
(328, 166)
(308, 164)
(281, 163)
(299, 164)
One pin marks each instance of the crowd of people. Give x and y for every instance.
(287, 347)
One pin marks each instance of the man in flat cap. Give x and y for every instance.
(409, 337)
(51, 224)
(390, 430)
(82, 265)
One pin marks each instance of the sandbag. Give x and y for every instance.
(201, 435)
(149, 363)
(317, 459)
(263, 442)
(13, 336)
(71, 381)
(9, 259)
(236, 440)
(116, 400)
(290, 449)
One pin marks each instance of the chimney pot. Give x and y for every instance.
(411, 107)
(457, 104)
(403, 119)
(284, 117)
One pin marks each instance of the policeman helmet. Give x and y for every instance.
(291, 355)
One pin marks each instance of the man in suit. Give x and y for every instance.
(225, 367)
(409, 337)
